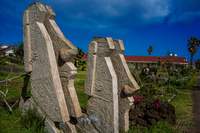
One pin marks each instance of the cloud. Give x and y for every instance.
(117, 16)
(113, 14)
(184, 11)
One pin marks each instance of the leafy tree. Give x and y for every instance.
(159, 62)
(198, 64)
(193, 45)
(19, 49)
(79, 56)
(150, 50)
(169, 64)
(83, 64)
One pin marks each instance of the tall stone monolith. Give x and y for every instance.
(101, 85)
(65, 52)
(126, 84)
(47, 92)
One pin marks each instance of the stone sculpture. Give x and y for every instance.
(101, 84)
(48, 56)
(126, 84)
(40, 37)
(65, 52)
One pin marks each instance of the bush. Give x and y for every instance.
(185, 71)
(33, 121)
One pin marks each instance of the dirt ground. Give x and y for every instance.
(196, 110)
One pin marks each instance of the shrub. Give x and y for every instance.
(32, 121)
(185, 71)
(151, 104)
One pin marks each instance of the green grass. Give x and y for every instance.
(10, 122)
(183, 102)
(183, 105)
(79, 84)
(160, 127)
(188, 124)
(32, 121)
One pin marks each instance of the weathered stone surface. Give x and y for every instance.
(126, 84)
(170, 108)
(152, 121)
(101, 85)
(164, 116)
(165, 111)
(163, 108)
(27, 42)
(45, 81)
(65, 52)
(132, 116)
(88, 124)
(153, 115)
(141, 122)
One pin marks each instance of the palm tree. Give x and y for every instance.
(150, 50)
(193, 45)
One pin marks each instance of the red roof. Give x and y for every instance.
(151, 59)
(4, 47)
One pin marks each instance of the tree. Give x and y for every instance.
(83, 64)
(150, 50)
(198, 64)
(19, 49)
(193, 45)
(159, 62)
(79, 56)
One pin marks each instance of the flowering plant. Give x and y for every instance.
(150, 104)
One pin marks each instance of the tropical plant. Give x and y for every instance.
(159, 62)
(169, 64)
(83, 64)
(150, 50)
(32, 120)
(19, 49)
(79, 56)
(198, 64)
(193, 45)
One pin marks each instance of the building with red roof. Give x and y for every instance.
(139, 62)
(6, 50)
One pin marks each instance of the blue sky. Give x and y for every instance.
(164, 24)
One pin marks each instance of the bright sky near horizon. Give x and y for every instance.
(164, 24)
